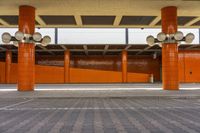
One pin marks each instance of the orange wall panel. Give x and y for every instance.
(138, 78)
(146, 65)
(189, 69)
(94, 76)
(14, 71)
(189, 66)
(2, 72)
(49, 74)
(136, 64)
(181, 67)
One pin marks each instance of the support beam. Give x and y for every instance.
(8, 63)
(26, 51)
(40, 20)
(145, 49)
(56, 35)
(170, 75)
(117, 20)
(190, 47)
(124, 66)
(105, 49)
(3, 49)
(155, 21)
(63, 46)
(4, 23)
(78, 20)
(94, 50)
(67, 66)
(85, 49)
(45, 49)
(127, 47)
(192, 22)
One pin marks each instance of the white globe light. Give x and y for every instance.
(19, 35)
(37, 36)
(15, 43)
(161, 36)
(46, 40)
(6, 37)
(178, 35)
(189, 38)
(150, 40)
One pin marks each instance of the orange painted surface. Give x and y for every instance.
(14, 75)
(8, 63)
(52, 74)
(189, 64)
(67, 66)
(124, 66)
(138, 78)
(145, 65)
(189, 61)
(2, 72)
(135, 64)
(26, 51)
(94, 76)
(169, 51)
(170, 66)
(49, 74)
(169, 19)
(181, 66)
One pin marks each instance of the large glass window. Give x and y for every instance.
(91, 36)
(100, 35)
(194, 31)
(44, 31)
(9, 30)
(138, 35)
(47, 31)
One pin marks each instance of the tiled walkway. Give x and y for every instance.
(98, 115)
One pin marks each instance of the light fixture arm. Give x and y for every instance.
(21, 37)
(163, 38)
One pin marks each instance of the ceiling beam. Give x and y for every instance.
(3, 49)
(78, 20)
(192, 22)
(40, 20)
(155, 21)
(105, 49)
(63, 46)
(100, 26)
(92, 50)
(190, 47)
(4, 23)
(127, 47)
(145, 49)
(85, 49)
(117, 20)
(45, 49)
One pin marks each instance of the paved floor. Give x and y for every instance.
(115, 86)
(98, 115)
(100, 90)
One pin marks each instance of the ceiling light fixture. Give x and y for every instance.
(21, 37)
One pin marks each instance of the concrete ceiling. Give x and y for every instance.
(100, 13)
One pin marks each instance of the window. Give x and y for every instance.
(91, 36)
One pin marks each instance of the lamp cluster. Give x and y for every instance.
(170, 38)
(25, 38)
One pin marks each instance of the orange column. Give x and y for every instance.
(8, 66)
(169, 50)
(26, 51)
(124, 66)
(67, 66)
